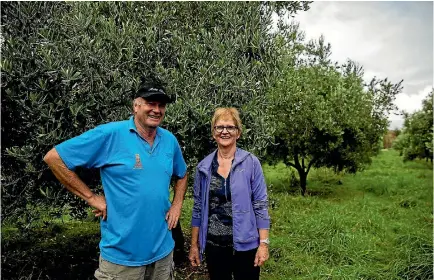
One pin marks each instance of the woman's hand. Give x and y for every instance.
(194, 255)
(261, 254)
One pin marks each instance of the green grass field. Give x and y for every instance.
(377, 224)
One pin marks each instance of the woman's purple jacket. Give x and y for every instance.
(249, 200)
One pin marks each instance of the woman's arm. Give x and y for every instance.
(259, 196)
(262, 252)
(195, 221)
(194, 247)
(260, 208)
(197, 205)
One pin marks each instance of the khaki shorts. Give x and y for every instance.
(160, 270)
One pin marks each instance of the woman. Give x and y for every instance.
(230, 219)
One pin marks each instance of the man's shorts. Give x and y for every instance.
(160, 270)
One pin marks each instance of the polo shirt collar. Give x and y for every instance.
(132, 127)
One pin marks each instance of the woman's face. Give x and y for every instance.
(225, 132)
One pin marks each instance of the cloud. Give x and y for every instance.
(390, 39)
(411, 103)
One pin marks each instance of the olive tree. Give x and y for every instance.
(325, 116)
(416, 139)
(69, 66)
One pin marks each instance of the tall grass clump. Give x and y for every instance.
(376, 224)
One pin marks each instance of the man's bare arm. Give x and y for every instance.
(180, 189)
(74, 184)
(174, 212)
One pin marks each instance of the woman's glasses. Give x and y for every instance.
(229, 128)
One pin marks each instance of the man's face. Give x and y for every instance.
(149, 113)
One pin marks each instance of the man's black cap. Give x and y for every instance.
(153, 94)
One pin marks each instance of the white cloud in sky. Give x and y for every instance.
(389, 39)
(411, 103)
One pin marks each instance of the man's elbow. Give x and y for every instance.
(51, 156)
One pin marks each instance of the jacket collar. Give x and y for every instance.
(205, 165)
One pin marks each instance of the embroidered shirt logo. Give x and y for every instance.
(138, 164)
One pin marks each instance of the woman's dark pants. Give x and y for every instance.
(222, 262)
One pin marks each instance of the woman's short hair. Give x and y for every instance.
(227, 113)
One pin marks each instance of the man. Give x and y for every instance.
(137, 159)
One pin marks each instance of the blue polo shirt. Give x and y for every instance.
(135, 179)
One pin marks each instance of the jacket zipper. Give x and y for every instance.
(232, 205)
(226, 194)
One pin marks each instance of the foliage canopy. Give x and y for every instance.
(67, 67)
(416, 138)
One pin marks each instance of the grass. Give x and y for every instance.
(377, 224)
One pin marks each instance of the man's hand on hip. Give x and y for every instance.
(173, 215)
(98, 202)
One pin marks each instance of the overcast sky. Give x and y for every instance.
(390, 39)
